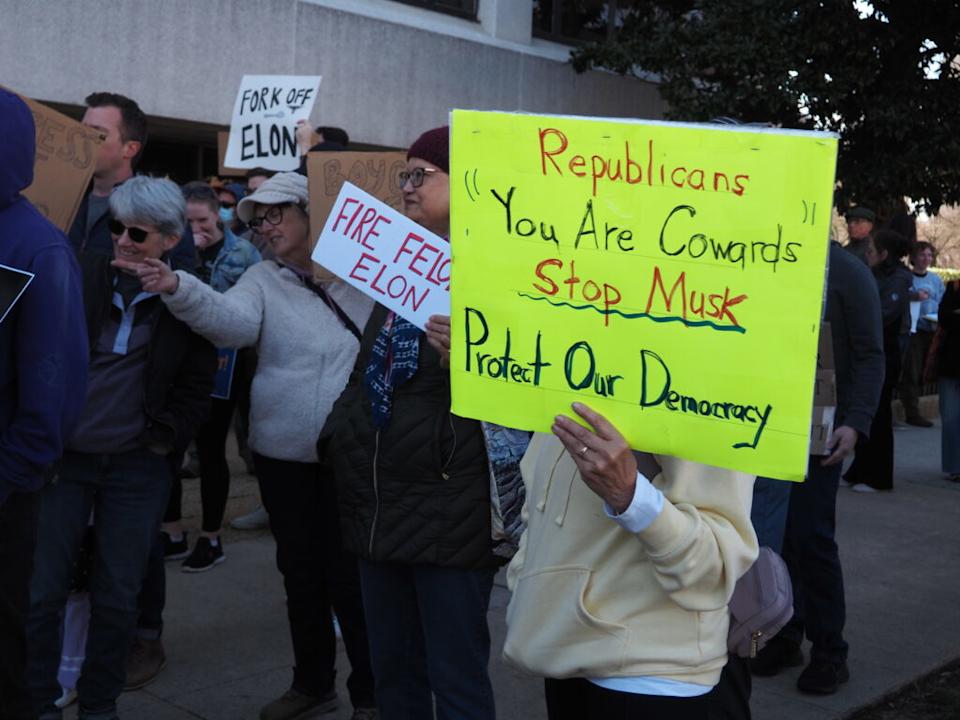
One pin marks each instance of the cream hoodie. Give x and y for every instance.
(593, 600)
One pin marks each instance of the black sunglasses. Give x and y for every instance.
(273, 215)
(138, 235)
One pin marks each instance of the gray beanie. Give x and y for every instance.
(287, 187)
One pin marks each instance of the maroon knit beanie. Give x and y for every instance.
(434, 147)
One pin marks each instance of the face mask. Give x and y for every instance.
(226, 214)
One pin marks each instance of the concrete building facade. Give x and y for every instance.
(390, 70)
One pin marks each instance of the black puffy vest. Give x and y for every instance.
(418, 490)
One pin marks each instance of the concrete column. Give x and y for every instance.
(510, 20)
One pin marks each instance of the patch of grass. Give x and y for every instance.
(933, 697)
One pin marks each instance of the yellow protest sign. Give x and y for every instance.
(668, 275)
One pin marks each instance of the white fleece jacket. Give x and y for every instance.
(305, 352)
(593, 600)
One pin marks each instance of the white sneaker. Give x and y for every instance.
(69, 697)
(845, 483)
(252, 520)
(863, 488)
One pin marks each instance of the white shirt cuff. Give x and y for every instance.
(646, 505)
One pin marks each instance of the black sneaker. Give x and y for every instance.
(174, 549)
(823, 676)
(144, 662)
(204, 556)
(776, 655)
(293, 704)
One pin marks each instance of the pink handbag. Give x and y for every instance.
(761, 605)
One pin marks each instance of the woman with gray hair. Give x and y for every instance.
(148, 390)
(307, 337)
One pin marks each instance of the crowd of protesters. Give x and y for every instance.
(387, 509)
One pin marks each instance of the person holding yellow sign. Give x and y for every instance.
(621, 583)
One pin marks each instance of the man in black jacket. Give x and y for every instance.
(809, 545)
(148, 391)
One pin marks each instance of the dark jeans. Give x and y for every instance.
(428, 632)
(211, 444)
(18, 536)
(153, 595)
(579, 699)
(811, 554)
(317, 574)
(771, 499)
(127, 494)
(730, 699)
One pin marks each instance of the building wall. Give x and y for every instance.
(389, 71)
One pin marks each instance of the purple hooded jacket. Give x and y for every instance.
(43, 340)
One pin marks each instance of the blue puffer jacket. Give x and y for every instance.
(231, 262)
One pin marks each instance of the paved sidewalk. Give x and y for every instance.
(229, 652)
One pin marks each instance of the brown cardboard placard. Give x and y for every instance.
(822, 427)
(824, 394)
(64, 162)
(825, 348)
(374, 172)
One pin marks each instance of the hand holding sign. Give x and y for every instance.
(603, 457)
(438, 335)
(841, 444)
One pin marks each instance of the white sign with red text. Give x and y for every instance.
(382, 253)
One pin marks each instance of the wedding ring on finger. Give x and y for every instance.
(582, 451)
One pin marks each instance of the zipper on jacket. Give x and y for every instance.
(453, 451)
(376, 493)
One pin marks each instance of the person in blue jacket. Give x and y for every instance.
(43, 371)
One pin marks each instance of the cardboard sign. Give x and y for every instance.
(263, 130)
(668, 275)
(223, 378)
(376, 173)
(824, 395)
(386, 256)
(13, 283)
(65, 160)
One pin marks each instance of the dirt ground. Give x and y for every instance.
(933, 697)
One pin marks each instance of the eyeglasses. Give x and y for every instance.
(273, 215)
(138, 235)
(415, 176)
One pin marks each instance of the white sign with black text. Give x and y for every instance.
(264, 124)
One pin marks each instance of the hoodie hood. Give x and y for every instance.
(18, 137)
